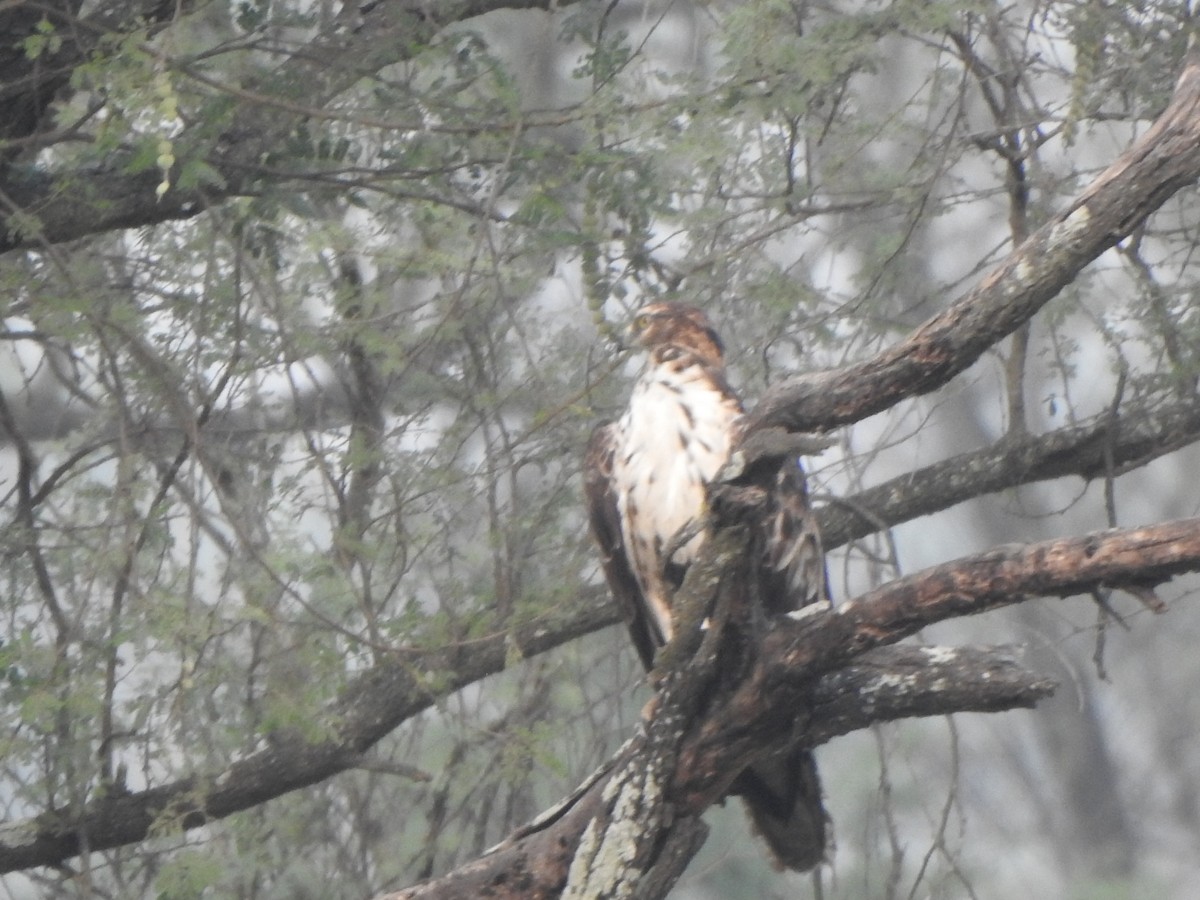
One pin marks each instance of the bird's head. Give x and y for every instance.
(669, 323)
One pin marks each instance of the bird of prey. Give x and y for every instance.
(645, 479)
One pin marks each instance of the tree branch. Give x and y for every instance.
(858, 681)
(812, 643)
(534, 862)
(1165, 159)
(40, 207)
(368, 709)
(378, 701)
(1139, 434)
(29, 83)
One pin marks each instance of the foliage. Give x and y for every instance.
(321, 404)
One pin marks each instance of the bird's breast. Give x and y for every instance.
(677, 433)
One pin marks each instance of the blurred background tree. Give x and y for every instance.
(311, 307)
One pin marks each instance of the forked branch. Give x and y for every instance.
(824, 674)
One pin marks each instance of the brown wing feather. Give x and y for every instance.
(782, 793)
(605, 521)
(794, 562)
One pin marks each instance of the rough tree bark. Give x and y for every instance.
(815, 676)
(882, 685)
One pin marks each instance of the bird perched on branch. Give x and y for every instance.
(646, 477)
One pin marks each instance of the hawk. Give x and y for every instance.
(645, 482)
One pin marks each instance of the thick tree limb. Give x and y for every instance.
(746, 723)
(911, 682)
(70, 205)
(389, 694)
(382, 698)
(779, 702)
(377, 702)
(1165, 159)
(534, 863)
(819, 642)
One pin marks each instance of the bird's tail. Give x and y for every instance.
(783, 798)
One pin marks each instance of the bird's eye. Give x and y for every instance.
(641, 323)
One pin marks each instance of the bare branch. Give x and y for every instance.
(882, 683)
(392, 692)
(534, 863)
(1139, 434)
(818, 642)
(1164, 160)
